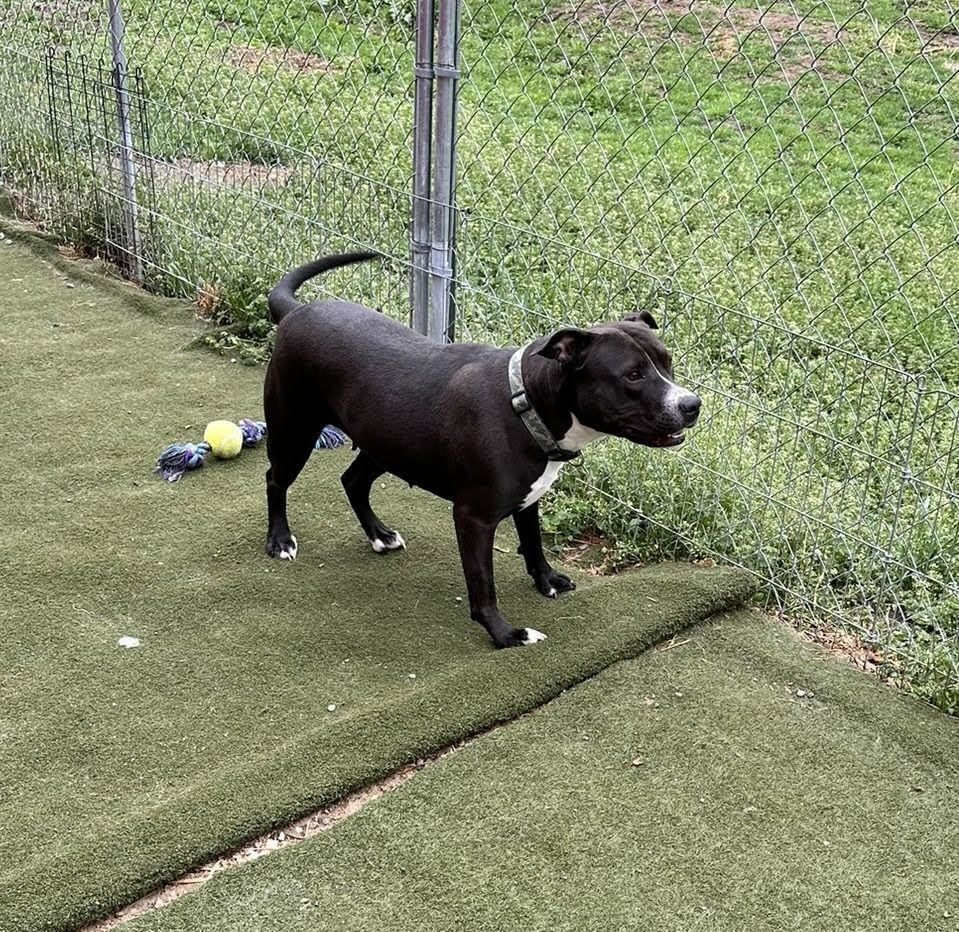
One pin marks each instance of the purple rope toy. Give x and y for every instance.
(181, 458)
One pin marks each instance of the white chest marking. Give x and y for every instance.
(541, 486)
(579, 435)
(575, 439)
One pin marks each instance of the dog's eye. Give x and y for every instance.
(635, 375)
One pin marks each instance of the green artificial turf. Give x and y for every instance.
(121, 768)
(691, 788)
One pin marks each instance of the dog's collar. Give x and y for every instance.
(527, 413)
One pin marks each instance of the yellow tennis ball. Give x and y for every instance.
(225, 439)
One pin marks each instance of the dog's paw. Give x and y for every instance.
(551, 583)
(531, 636)
(282, 547)
(519, 637)
(387, 540)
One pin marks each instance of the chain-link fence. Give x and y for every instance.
(775, 180)
(778, 182)
(260, 133)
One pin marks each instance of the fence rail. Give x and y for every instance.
(777, 181)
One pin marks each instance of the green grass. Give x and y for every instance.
(124, 768)
(750, 807)
(783, 200)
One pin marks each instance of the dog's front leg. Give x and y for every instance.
(474, 535)
(546, 579)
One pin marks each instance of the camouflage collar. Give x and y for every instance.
(534, 423)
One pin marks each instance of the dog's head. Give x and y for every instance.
(618, 379)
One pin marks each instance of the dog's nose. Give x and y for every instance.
(689, 405)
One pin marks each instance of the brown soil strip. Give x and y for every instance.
(221, 174)
(251, 59)
(722, 24)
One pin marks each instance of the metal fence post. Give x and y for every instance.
(444, 166)
(422, 146)
(127, 164)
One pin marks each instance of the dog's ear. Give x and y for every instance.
(643, 317)
(565, 345)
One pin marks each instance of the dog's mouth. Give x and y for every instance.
(664, 440)
(653, 435)
(668, 440)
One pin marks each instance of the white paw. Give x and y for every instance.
(289, 553)
(551, 593)
(381, 546)
(532, 636)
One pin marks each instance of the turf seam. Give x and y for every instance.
(836, 833)
(332, 814)
(305, 827)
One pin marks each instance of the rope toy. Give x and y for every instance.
(225, 440)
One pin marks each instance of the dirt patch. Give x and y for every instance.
(714, 26)
(715, 20)
(53, 19)
(221, 174)
(67, 12)
(938, 40)
(944, 46)
(720, 30)
(592, 553)
(252, 59)
(620, 12)
(849, 647)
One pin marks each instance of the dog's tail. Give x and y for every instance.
(282, 298)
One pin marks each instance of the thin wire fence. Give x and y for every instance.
(775, 181)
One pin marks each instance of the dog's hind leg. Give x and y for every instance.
(289, 442)
(545, 578)
(358, 481)
(286, 461)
